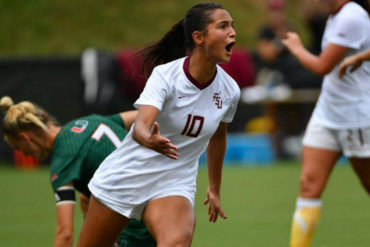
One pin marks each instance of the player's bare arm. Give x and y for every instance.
(128, 118)
(353, 62)
(65, 201)
(321, 64)
(215, 155)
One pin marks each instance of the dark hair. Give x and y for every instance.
(364, 4)
(178, 41)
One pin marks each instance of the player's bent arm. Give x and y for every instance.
(363, 56)
(322, 64)
(215, 155)
(144, 121)
(65, 200)
(128, 118)
(353, 61)
(146, 132)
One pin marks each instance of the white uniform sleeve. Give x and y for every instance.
(349, 32)
(155, 92)
(229, 115)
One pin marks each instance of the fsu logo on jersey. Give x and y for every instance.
(217, 100)
(80, 126)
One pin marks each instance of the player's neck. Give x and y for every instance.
(339, 6)
(201, 69)
(53, 131)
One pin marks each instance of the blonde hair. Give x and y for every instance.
(23, 116)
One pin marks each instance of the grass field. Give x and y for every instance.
(258, 202)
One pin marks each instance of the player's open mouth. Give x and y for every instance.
(230, 46)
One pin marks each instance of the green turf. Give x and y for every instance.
(258, 203)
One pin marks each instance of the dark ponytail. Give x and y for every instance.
(364, 4)
(178, 41)
(169, 48)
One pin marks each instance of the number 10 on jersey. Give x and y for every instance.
(193, 126)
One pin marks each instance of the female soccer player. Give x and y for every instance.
(340, 122)
(353, 62)
(191, 99)
(77, 149)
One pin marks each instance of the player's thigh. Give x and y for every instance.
(171, 220)
(317, 164)
(102, 225)
(321, 149)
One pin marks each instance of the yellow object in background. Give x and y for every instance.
(261, 124)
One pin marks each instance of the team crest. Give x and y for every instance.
(55, 176)
(217, 100)
(80, 126)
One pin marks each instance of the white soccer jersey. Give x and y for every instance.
(345, 102)
(189, 115)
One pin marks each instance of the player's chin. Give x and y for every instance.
(225, 59)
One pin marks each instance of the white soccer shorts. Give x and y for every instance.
(354, 143)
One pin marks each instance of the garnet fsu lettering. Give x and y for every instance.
(217, 100)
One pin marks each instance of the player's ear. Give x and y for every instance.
(198, 38)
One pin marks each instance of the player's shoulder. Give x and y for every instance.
(81, 126)
(104, 118)
(173, 65)
(352, 12)
(84, 119)
(94, 119)
(227, 79)
(170, 69)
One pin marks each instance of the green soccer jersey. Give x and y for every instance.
(79, 148)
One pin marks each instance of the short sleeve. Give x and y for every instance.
(155, 91)
(63, 170)
(349, 31)
(229, 115)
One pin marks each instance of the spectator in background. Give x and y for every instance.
(274, 65)
(276, 18)
(272, 57)
(315, 15)
(240, 67)
(278, 72)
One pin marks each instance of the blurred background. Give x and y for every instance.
(73, 58)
